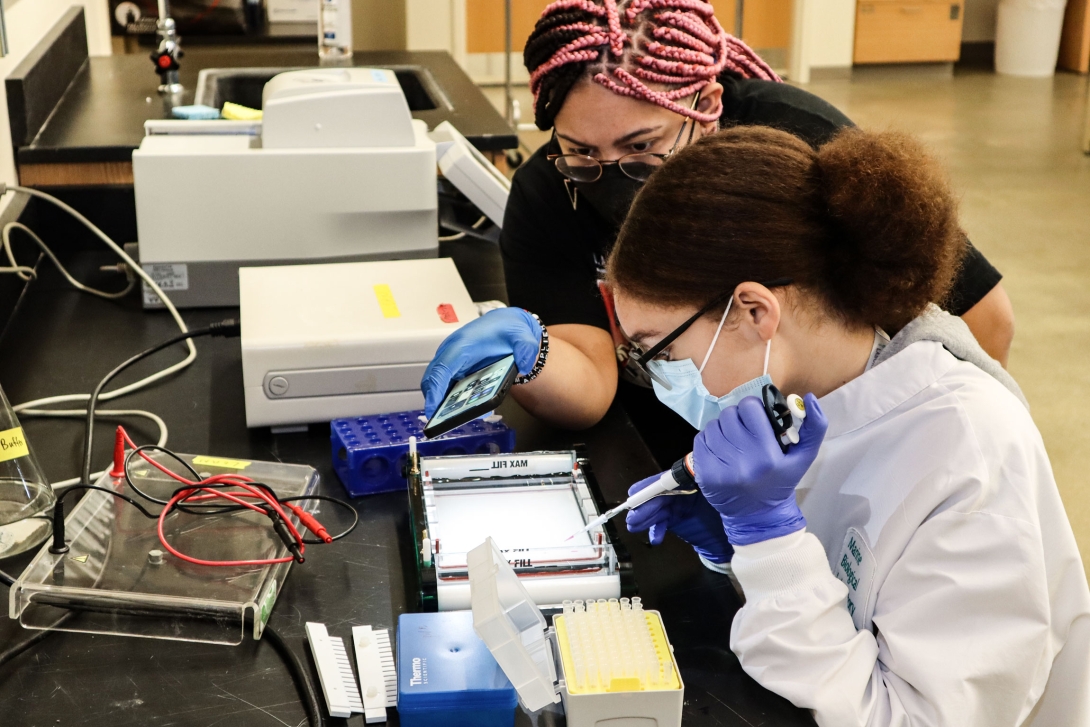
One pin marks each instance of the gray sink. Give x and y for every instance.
(244, 86)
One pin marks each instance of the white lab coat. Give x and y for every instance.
(938, 581)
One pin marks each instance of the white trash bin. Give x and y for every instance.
(1027, 39)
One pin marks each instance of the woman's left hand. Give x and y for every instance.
(690, 517)
(745, 475)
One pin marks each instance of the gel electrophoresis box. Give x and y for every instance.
(369, 452)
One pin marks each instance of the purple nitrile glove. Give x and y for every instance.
(741, 469)
(496, 334)
(689, 517)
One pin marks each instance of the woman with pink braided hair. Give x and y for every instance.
(623, 84)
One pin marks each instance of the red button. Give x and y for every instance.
(164, 61)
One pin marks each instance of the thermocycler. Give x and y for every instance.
(337, 170)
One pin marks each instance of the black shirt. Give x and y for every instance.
(552, 254)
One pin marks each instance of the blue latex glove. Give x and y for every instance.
(496, 334)
(746, 476)
(689, 517)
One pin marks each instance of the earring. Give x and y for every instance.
(573, 194)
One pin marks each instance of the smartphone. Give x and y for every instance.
(478, 393)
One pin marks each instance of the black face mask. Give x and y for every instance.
(611, 195)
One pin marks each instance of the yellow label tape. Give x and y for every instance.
(12, 444)
(229, 464)
(386, 302)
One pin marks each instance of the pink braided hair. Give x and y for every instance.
(676, 43)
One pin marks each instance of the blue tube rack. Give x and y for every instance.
(370, 452)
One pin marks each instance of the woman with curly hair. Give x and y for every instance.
(908, 560)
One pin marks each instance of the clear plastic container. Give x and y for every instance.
(116, 579)
(26, 499)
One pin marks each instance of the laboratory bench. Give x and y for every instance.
(76, 120)
(61, 341)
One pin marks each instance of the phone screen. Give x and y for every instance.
(475, 390)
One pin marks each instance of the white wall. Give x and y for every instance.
(27, 22)
(979, 21)
(823, 36)
(436, 25)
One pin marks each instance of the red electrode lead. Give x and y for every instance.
(310, 522)
(119, 454)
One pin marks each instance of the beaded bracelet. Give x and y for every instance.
(542, 354)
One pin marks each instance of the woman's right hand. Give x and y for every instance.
(496, 334)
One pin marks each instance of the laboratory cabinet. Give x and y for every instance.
(896, 31)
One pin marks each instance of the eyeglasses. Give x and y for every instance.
(644, 358)
(585, 169)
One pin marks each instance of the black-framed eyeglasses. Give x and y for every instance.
(585, 168)
(646, 357)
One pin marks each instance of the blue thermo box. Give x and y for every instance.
(447, 677)
(369, 452)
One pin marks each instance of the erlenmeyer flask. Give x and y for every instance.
(26, 499)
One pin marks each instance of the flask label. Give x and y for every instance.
(12, 444)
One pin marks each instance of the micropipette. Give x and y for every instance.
(785, 415)
(680, 474)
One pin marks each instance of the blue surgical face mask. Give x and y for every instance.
(687, 394)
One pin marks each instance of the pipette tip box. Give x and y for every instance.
(447, 676)
(608, 660)
(369, 452)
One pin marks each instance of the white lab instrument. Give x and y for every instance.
(335, 30)
(607, 659)
(469, 171)
(334, 671)
(528, 503)
(339, 172)
(320, 342)
(378, 671)
(291, 11)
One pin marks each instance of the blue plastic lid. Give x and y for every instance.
(443, 664)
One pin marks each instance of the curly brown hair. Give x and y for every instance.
(867, 223)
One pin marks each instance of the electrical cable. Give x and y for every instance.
(14, 651)
(103, 413)
(308, 692)
(300, 674)
(223, 328)
(27, 273)
(351, 508)
(140, 272)
(458, 236)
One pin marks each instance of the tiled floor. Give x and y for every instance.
(1012, 147)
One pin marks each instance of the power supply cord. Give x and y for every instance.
(140, 272)
(229, 327)
(28, 273)
(300, 674)
(308, 692)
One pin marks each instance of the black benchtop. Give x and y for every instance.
(101, 116)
